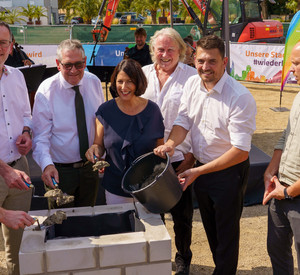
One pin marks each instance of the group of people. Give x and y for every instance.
(201, 117)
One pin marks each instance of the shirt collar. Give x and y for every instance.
(220, 84)
(180, 66)
(66, 84)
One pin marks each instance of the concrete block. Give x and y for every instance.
(160, 250)
(122, 249)
(70, 254)
(33, 241)
(31, 263)
(159, 240)
(150, 269)
(110, 271)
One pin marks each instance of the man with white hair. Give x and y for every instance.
(166, 79)
(64, 125)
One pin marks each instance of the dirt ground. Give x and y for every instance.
(253, 258)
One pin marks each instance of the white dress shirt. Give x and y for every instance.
(54, 118)
(168, 99)
(219, 119)
(15, 112)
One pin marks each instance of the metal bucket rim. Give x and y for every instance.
(155, 181)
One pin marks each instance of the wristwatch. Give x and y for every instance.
(286, 196)
(27, 131)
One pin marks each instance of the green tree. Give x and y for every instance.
(292, 5)
(3, 16)
(39, 12)
(62, 3)
(13, 16)
(87, 9)
(183, 11)
(152, 5)
(28, 12)
(124, 5)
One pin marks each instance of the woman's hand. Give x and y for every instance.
(94, 150)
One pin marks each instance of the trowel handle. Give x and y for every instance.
(30, 185)
(54, 182)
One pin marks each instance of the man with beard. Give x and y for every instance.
(140, 52)
(219, 113)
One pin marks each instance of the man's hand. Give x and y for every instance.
(15, 178)
(163, 149)
(187, 163)
(49, 173)
(24, 143)
(273, 190)
(188, 177)
(15, 219)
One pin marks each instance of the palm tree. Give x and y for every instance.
(39, 12)
(151, 5)
(13, 16)
(29, 13)
(87, 9)
(3, 16)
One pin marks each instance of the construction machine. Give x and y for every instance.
(245, 21)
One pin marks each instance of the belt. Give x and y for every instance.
(76, 165)
(284, 184)
(13, 163)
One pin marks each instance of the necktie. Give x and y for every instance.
(81, 123)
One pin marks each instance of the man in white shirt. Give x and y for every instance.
(220, 115)
(15, 123)
(166, 78)
(61, 134)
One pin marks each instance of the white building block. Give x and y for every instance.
(150, 269)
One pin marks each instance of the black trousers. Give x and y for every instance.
(182, 214)
(82, 183)
(220, 198)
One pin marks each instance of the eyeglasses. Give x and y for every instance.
(69, 66)
(5, 43)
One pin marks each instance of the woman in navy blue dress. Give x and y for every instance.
(126, 127)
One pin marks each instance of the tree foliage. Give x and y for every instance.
(292, 5)
(87, 9)
(29, 12)
(142, 6)
(12, 17)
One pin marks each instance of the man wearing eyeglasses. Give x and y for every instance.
(15, 140)
(63, 125)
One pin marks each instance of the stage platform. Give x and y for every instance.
(254, 193)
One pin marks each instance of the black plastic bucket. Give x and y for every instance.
(153, 182)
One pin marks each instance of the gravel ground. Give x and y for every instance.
(253, 257)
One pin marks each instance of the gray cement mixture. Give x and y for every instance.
(100, 164)
(148, 179)
(56, 218)
(60, 197)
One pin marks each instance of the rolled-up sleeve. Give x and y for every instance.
(242, 122)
